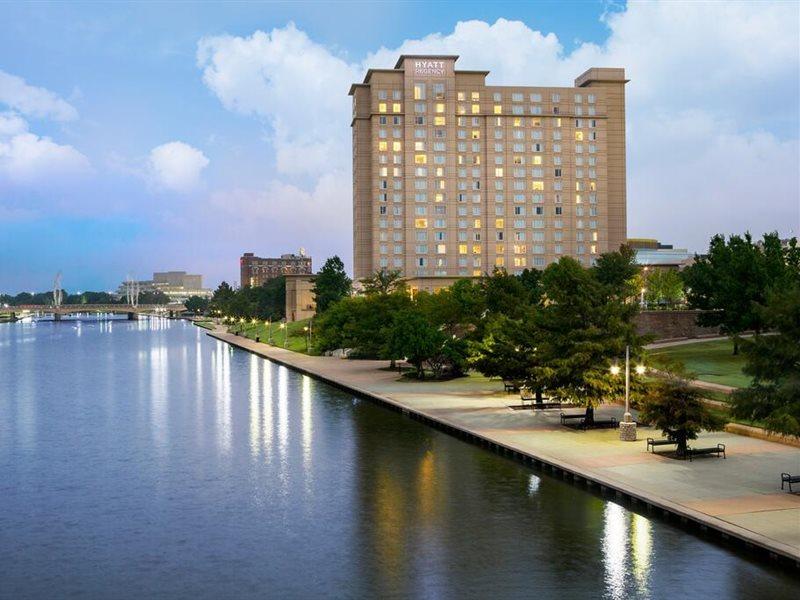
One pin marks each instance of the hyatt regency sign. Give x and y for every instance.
(429, 68)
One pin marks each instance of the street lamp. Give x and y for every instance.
(641, 300)
(269, 331)
(285, 333)
(627, 428)
(308, 336)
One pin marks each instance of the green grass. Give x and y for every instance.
(204, 324)
(708, 361)
(294, 334)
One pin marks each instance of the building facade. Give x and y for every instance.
(452, 177)
(650, 253)
(300, 301)
(178, 285)
(256, 270)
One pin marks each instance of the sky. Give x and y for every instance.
(176, 136)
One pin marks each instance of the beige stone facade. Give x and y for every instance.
(452, 178)
(300, 303)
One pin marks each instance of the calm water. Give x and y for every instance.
(144, 459)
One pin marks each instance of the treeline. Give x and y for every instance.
(46, 298)
(267, 301)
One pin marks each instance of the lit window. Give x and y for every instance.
(476, 108)
(420, 159)
(476, 134)
(438, 120)
(537, 159)
(578, 136)
(462, 248)
(397, 146)
(382, 107)
(537, 185)
(382, 146)
(419, 91)
(498, 110)
(421, 223)
(475, 96)
(397, 107)
(498, 172)
(440, 107)
(476, 249)
(441, 249)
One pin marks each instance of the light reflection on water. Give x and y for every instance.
(146, 458)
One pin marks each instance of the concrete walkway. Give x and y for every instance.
(739, 496)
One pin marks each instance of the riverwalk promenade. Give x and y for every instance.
(738, 497)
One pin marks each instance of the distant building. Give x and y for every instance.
(652, 253)
(256, 270)
(178, 285)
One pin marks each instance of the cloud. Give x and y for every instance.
(177, 166)
(34, 101)
(27, 159)
(712, 108)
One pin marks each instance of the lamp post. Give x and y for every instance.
(269, 331)
(308, 336)
(285, 333)
(627, 428)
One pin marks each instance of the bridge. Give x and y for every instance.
(131, 310)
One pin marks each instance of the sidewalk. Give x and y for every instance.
(739, 496)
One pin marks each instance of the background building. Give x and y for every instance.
(256, 270)
(178, 285)
(652, 253)
(452, 178)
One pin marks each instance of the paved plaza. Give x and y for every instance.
(740, 495)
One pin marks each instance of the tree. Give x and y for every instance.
(196, 304)
(221, 298)
(412, 337)
(663, 287)
(582, 328)
(773, 361)
(672, 405)
(384, 282)
(733, 278)
(331, 284)
(154, 297)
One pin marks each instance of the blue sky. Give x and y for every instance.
(141, 137)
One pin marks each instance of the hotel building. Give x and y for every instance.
(452, 177)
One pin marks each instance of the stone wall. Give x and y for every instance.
(672, 325)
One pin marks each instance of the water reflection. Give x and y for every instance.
(627, 548)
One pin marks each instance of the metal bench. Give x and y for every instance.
(718, 449)
(565, 417)
(652, 443)
(786, 478)
(510, 386)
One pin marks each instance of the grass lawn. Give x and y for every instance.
(204, 324)
(709, 361)
(294, 334)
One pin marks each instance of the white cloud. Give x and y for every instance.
(27, 159)
(34, 101)
(177, 166)
(712, 106)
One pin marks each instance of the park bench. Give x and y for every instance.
(718, 449)
(527, 395)
(598, 423)
(652, 443)
(510, 386)
(786, 478)
(565, 417)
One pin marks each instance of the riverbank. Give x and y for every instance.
(738, 497)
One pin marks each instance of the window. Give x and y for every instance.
(498, 110)
(439, 121)
(555, 97)
(419, 91)
(439, 107)
(536, 97)
(421, 223)
(475, 96)
(382, 107)
(476, 108)
(517, 97)
(397, 107)
(438, 91)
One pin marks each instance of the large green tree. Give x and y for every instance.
(331, 284)
(733, 278)
(412, 337)
(583, 327)
(773, 360)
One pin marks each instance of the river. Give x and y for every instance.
(146, 460)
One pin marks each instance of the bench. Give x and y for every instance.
(652, 443)
(786, 478)
(565, 417)
(612, 422)
(718, 449)
(510, 386)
